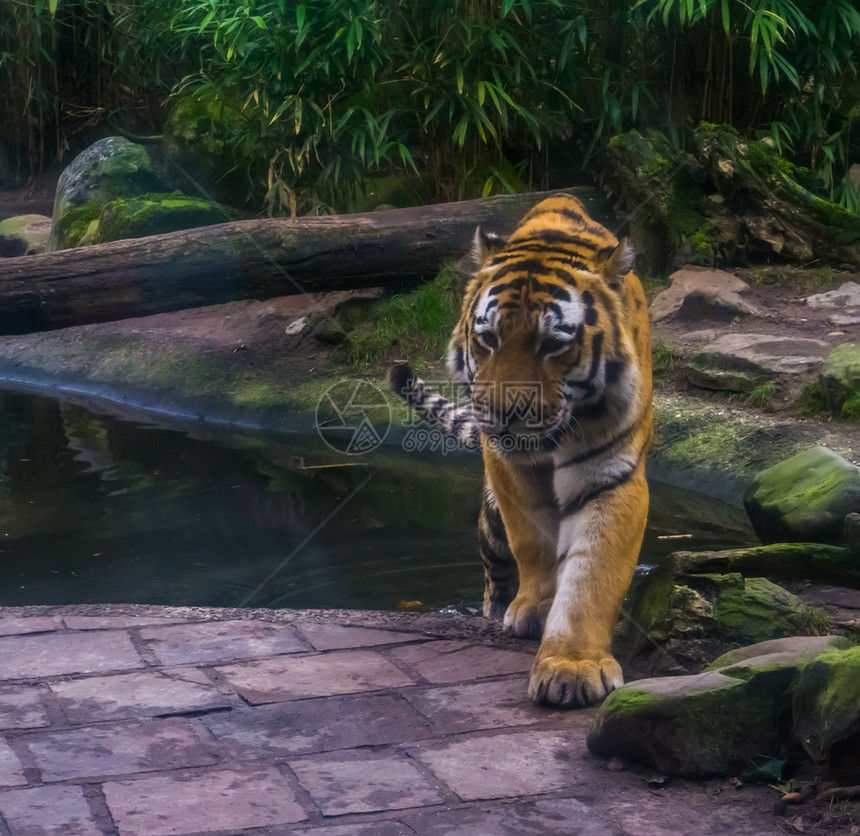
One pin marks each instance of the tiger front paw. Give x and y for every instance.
(526, 617)
(573, 683)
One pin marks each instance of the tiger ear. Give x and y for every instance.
(484, 246)
(618, 264)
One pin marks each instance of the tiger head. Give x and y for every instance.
(543, 336)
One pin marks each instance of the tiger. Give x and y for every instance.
(552, 352)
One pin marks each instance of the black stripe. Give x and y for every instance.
(459, 359)
(576, 505)
(580, 502)
(614, 368)
(603, 448)
(494, 522)
(596, 346)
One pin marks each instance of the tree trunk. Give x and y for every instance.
(255, 259)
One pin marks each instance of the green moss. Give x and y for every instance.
(759, 611)
(153, 214)
(75, 223)
(419, 322)
(626, 700)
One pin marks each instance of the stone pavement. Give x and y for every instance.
(146, 721)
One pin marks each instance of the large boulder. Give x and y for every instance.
(840, 379)
(804, 499)
(738, 712)
(111, 168)
(694, 726)
(740, 362)
(24, 235)
(842, 304)
(700, 292)
(826, 710)
(682, 622)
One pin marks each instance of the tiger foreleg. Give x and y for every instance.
(501, 579)
(527, 507)
(598, 549)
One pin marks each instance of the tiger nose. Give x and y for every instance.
(512, 413)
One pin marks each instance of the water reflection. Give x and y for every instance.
(98, 510)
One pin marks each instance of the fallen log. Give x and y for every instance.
(810, 561)
(256, 259)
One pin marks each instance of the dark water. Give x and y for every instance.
(99, 510)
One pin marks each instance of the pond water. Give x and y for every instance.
(94, 509)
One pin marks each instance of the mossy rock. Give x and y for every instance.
(683, 623)
(153, 214)
(111, 168)
(645, 169)
(826, 710)
(804, 499)
(840, 379)
(24, 235)
(800, 648)
(757, 611)
(695, 726)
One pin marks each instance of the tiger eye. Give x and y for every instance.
(487, 340)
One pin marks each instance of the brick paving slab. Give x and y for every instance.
(54, 654)
(337, 637)
(503, 765)
(48, 811)
(10, 626)
(207, 802)
(143, 694)
(119, 749)
(478, 705)
(21, 708)
(339, 672)
(11, 770)
(317, 725)
(113, 622)
(377, 828)
(365, 782)
(551, 817)
(462, 665)
(340, 723)
(223, 641)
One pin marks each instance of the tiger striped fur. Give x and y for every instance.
(553, 351)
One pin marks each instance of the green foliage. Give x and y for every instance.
(785, 69)
(469, 97)
(69, 67)
(336, 89)
(419, 322)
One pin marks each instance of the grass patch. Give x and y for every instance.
(810, 403)
(419, 322)
(664, 359)
(652, 285)
(816, 622)
(851, 407)
(760, 397)
(798, 279)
